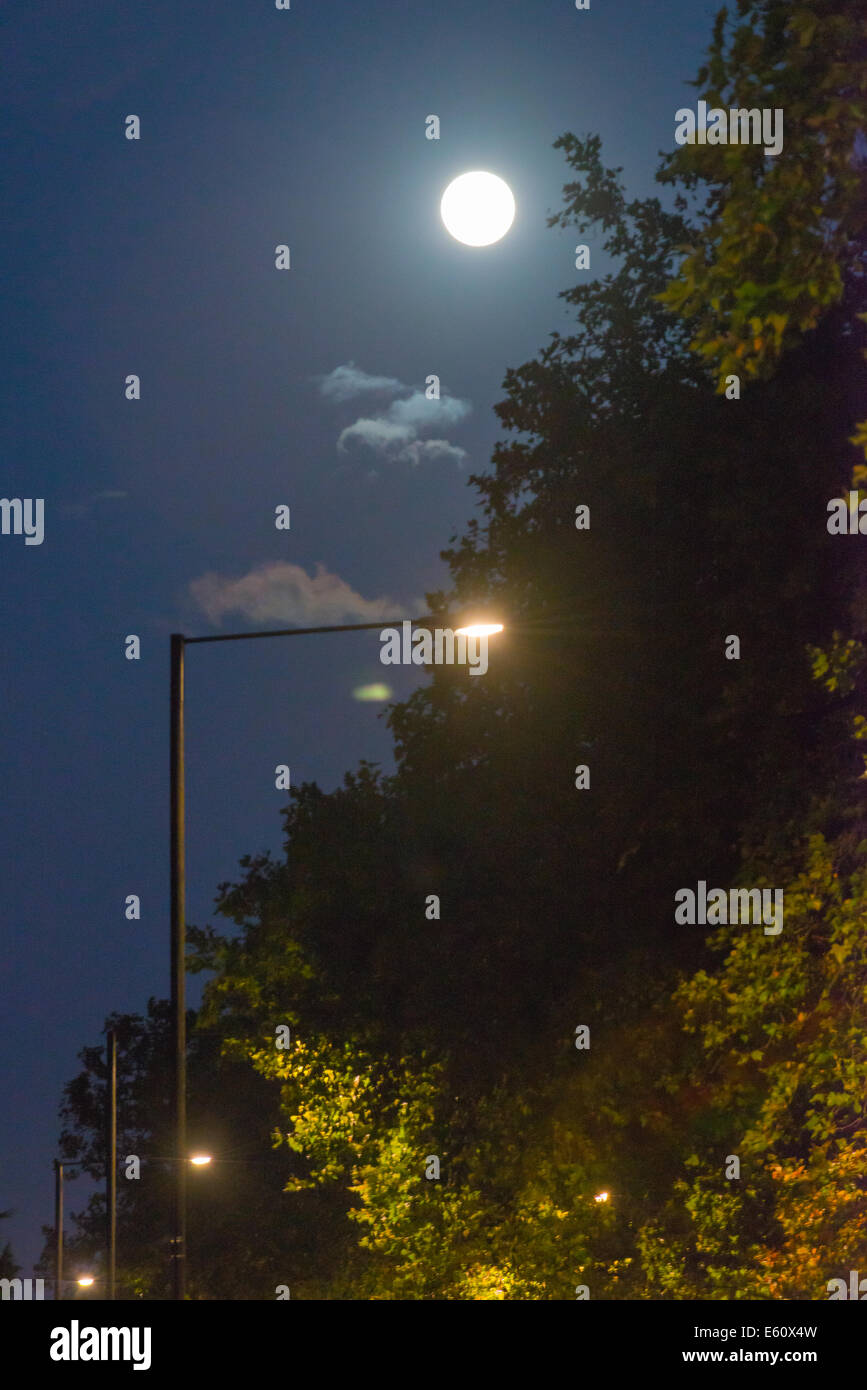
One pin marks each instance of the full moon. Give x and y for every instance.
(478, 208)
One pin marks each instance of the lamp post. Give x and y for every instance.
(111, 1164)
(177, 858)
(178, 937)
(110, 1181)
(59, 1172)
(58, 1229)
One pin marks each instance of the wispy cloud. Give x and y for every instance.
(379, 434)
(424, 414)
(284, 593)
(393, 431)
(433, 451)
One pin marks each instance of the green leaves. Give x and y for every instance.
(839, 666)
(779, 235)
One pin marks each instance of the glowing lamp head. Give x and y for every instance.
(200, 1160)
(601, 1197)
(479, 630)
(85, 1281)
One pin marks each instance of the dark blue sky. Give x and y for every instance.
(156, 257)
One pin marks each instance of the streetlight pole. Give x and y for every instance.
(59, 1175)
(178, 950)
(58, 1230)
(111, 1163)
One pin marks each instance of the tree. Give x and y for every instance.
(782, 1029)
(777, 267)
(9, 1267)
(779, 236)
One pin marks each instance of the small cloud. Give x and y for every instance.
(424, 414)
(380, 435)
(433, 451)
(284, 593)
(349, 381)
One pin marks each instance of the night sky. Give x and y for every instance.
(156, 257)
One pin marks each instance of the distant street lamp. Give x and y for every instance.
(59, 1169)
(110, 1180)
(85, 1280)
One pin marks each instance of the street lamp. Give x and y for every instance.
(59, 1168)
(479, 630)
(110, 1180)
(85, 1280)
(177, 851)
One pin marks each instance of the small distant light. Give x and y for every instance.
(377, 691)
(601, 1197)
(85, 1281)
(479, 630)
(200, 1160)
